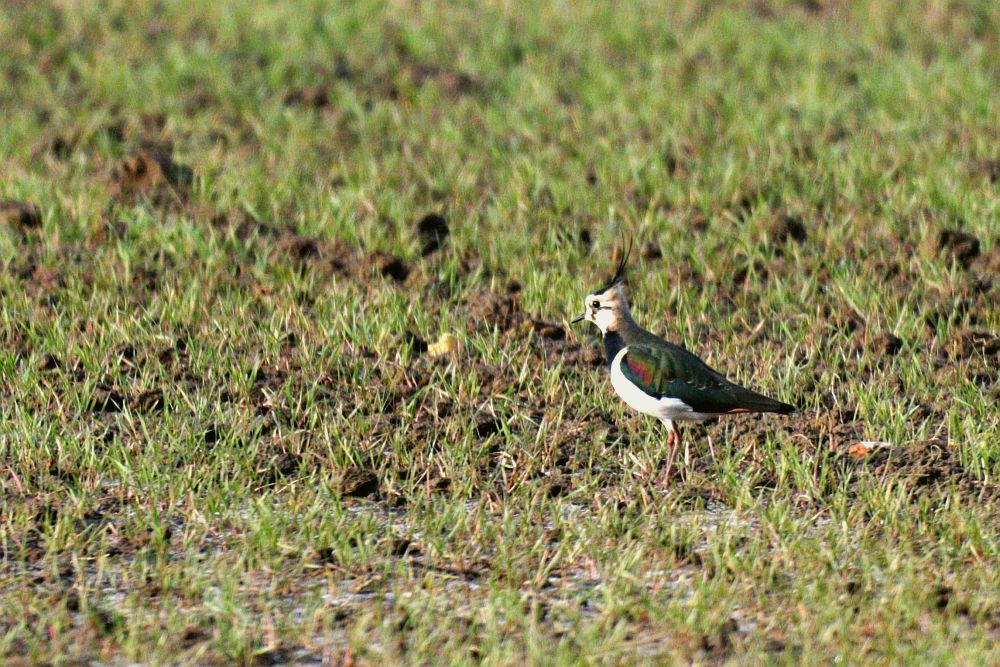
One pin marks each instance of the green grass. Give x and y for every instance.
(220, 437)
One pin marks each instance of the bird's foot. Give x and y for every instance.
(664, 480)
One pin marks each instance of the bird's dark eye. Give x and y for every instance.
(596, 304)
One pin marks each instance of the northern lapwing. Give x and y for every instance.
(658, 378)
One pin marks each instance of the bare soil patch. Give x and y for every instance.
(151, 173)
(20, 215)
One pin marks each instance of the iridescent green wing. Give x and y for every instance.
(673, 372)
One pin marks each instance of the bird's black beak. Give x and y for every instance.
(580, 318)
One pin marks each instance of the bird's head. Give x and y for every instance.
(608, 306)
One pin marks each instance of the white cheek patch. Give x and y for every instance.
(604, 318)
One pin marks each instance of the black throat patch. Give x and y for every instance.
(613, 344)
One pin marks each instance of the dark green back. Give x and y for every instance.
(663, 369)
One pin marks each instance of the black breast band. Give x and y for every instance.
(613, 344)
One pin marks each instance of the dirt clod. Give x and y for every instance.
(388, 266)
(402, 546)
(548, 330)
(147, 171)
(359, 483)
(299, 248)
(487, 426)
(148, 401)
(788, 227)
(490, 310)
(988, 168)
(887, 344)
(651, 251)
(745, 269)
(721, 641)
(20, 215)
(924, 463)
(432, 229)
(697, 221)
(49, 362)
(62, 147)
(988, 263)
(971, 343)
(956, 246)
(417, 344)
(313, 97)
(106, 399)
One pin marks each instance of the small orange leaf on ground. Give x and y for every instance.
(863, 448)
(859, 450)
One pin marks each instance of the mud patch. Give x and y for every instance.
(988, 263)
(432, 230)
(61, 147)
(106, 399)
(844, 318)
(49, 363)
(923, 464)
(388, 266)
(786, 228)
(955, 246)
(285, 244)
(148, 401)
(988, 169)
(887, 345)
(651, 251)
(416, 344)
(547, 329)
(276, 459)
(745, 269)
(488, 310)
(358, 483)
(972, 343)
(453, 82)
(150, 173)
(697, 221)
(299, 248)
(20, 215)
(311, 97)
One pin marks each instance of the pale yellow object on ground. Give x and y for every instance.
(446, 344)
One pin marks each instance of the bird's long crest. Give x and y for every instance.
(622, 266)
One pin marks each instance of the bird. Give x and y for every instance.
(659, 378)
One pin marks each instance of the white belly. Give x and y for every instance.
(664, 409)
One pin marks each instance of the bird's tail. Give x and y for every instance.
(784, 408)
(754, 402)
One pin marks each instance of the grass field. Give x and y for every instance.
(230, 232)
